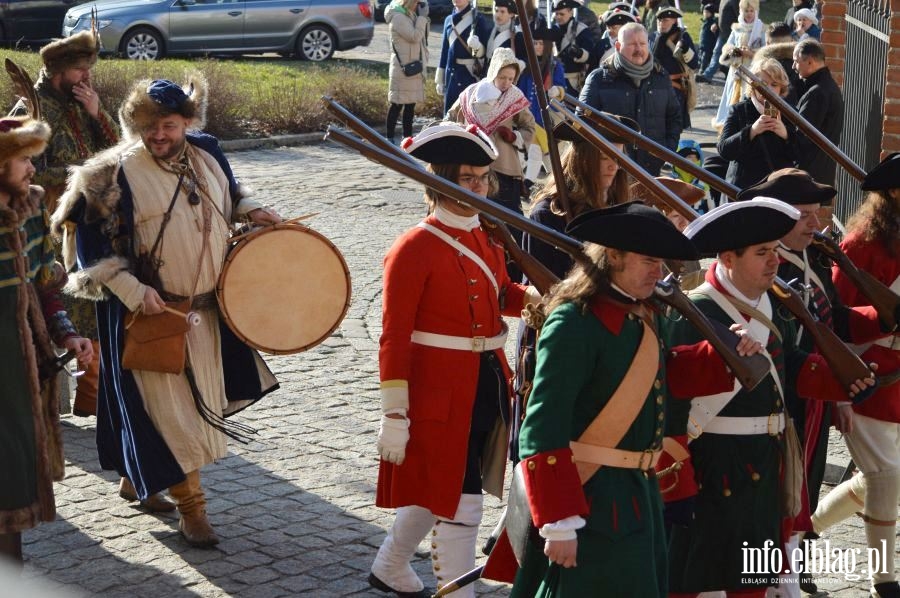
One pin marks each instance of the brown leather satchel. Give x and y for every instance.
(157, 343)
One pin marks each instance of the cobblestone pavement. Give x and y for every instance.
(294, 508)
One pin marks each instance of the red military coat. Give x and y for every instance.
(431, 287)
(874, 258)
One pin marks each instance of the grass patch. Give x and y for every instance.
(251, 96)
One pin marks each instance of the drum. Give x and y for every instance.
(284, 288)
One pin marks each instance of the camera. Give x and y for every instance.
(769, 109)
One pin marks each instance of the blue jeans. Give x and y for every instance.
(710, 71)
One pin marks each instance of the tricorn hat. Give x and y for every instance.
(742, 224)
(690, 194)
(626, 6)
(635, 227)
(22, 136)
(509, 5)
(78, 50)
(668, 12)
(884, 176)
(792, 186)
(618, 16)
(151, 100)
(451, 143)
(566, 4)
(564, 131)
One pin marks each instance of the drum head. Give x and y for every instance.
(284, 289)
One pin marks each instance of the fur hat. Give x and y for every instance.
(78, 50)
(151, 100)
(22, 136)
(807, 14)
(503, 57)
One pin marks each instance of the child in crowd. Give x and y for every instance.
(709, 33)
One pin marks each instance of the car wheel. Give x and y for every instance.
(142, 44)
(316, 43)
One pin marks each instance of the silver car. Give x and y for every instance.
(151, 29)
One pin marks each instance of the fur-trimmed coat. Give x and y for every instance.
(100, 203)
(30, 437)
(784, 54)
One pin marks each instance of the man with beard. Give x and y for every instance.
(80, 127)
(31, 316)
(164, 198)
(631, 84)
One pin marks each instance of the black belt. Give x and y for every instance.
(202, 301)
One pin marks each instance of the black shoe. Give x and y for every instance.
(887, 589)
(381, 586)
(699, 78)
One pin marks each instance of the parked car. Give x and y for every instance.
(151, 29)
(437, 9)
(32, 22)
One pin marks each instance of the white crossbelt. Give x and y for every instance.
(746, 426)
(476, 344)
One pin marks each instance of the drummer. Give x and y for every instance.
(173, 199)
(444, 390)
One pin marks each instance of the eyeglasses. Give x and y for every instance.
(470, 180)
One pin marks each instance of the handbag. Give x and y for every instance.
(410, 69)
(157, 343)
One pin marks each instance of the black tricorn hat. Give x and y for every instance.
(509, 5)
(564, 131)
(451, 143)
(792, 186)
(884, 176)
(741, 224)
(633, 226)
(669, 12)
(566, 4)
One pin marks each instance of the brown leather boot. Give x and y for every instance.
(193, 525)
(155, 503)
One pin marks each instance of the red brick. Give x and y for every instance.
(892, 109)
(834, 9)
(892, 91)
(890, 143)
(834, 38)
(893, 74)
(892, 126)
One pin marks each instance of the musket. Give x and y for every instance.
(814, 135)
(598, 119)
(885, 301)
(845, 364)
(537, 78)
(747, 370)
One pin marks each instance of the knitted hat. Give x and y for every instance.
(151, 100)
(22, 136)
(503, 57)
(76, 51)
(451, 143)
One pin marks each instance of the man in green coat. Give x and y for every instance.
(593, 426)
(737, 438)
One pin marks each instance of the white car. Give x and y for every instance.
(151, 29)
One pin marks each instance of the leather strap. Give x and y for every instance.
(463, 250)
(614, 420)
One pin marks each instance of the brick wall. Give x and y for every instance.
(834, 38)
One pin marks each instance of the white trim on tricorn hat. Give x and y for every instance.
(668, 12)
(22, 136)
(742, 224)
(145, 104)
(618, 16)
(635, 227)
(884, 176)
(451, 143)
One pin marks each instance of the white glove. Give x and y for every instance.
(556, 93)
(392, 439)
(476, 48)
(439, 81)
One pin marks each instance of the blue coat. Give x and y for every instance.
(127, 441)
(458, 76)
(653, 105)
(526, 84)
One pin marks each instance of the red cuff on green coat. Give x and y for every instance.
(696, 371)
(552, 486)
(816, 381)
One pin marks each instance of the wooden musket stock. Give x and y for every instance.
(816, 136)
(743, 369)
(598, 118)
(885, 301)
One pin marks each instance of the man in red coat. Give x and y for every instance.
(444, 389)
(873, 244)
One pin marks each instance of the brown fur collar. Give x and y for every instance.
(22, 208)
(784, 50)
